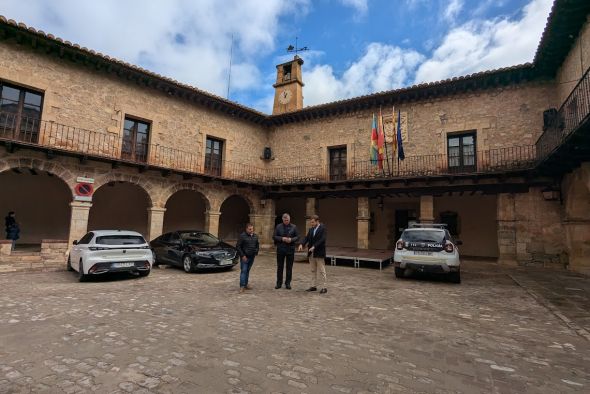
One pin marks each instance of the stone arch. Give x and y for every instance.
(120, 204)
(186, 208)
(137, 180)
(52, 167)
(170, 191)
(235, 213)
(40, 197)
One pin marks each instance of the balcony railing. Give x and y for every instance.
(58, 137)
(489, 161)
(574, 111)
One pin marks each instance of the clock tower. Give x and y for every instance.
(289, 87)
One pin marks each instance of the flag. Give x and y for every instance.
(374, 151)
(400, 145)
(394, 136)
(380, 140)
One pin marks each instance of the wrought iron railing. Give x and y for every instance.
(489, 161)
(574, 111)
(30, 131)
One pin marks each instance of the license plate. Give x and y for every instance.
(423, 253)
(225, 262)
(123, 265)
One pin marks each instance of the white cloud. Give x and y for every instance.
(452, 10)
(360, 6)
(382, 67)
(186, 40)
(485, 45)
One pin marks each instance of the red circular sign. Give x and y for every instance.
(84, 189)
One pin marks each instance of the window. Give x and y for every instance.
(337, 163)
(20, 113)
(120, 240)
(287, 72)
(200, 239)
(461, 150)
(136, 135)
(213, 156)
(86, 239)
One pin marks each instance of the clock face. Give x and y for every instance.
(285, 96)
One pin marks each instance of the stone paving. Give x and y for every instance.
(193, 333)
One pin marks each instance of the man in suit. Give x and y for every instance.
(315, 240)
(285, 237)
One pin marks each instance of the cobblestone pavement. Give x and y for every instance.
(178, 333)
(565, 293)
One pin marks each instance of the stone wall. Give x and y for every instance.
(83, 97)
(576, 195)
(502, 117)
(530, 230)
(574, 65)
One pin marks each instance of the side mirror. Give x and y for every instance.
(458, 242)
(75, 242)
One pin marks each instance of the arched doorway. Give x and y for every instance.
(120, 205)
(235, 213)
(41, 202)
(185, 210)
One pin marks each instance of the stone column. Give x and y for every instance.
(577, 234)
(78, 220)
(212, 222)
(264, 227)
(362, 220)
(426, 209)
(155, 222)
(310, 209)
(506, 218)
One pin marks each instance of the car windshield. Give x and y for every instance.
(120, 240)
(200, 239)
(423, 236)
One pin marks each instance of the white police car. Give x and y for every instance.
(427, 248)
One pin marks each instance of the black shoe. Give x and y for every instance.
(288, 287)
(323, 291)
(278, 286)
(313, 288)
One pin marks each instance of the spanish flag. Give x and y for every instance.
(374, 150)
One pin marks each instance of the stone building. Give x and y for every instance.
(502, 156)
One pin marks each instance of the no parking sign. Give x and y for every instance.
(84, 189)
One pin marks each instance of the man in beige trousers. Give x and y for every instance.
(316, 244)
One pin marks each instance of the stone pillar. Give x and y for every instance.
(577, 234)
(78, 220)
(310, 209)
(212, 222)
(426, 209)
(362, 220)
(264, 227)
(155, 222)
(506, 218)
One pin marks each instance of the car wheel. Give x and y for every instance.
(187, 264)
(399, 272)
(455, 277)
(155, 257)
(69, 264)
(144, 273)
(81, 276)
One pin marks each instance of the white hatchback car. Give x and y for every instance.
(427, 248)
(102, 251)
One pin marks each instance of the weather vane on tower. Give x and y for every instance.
(295, 49)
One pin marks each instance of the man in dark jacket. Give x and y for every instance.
(12, 229)
(315, 240)
(285, 237)
(247, 247)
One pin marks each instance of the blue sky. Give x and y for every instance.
(357, 47)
